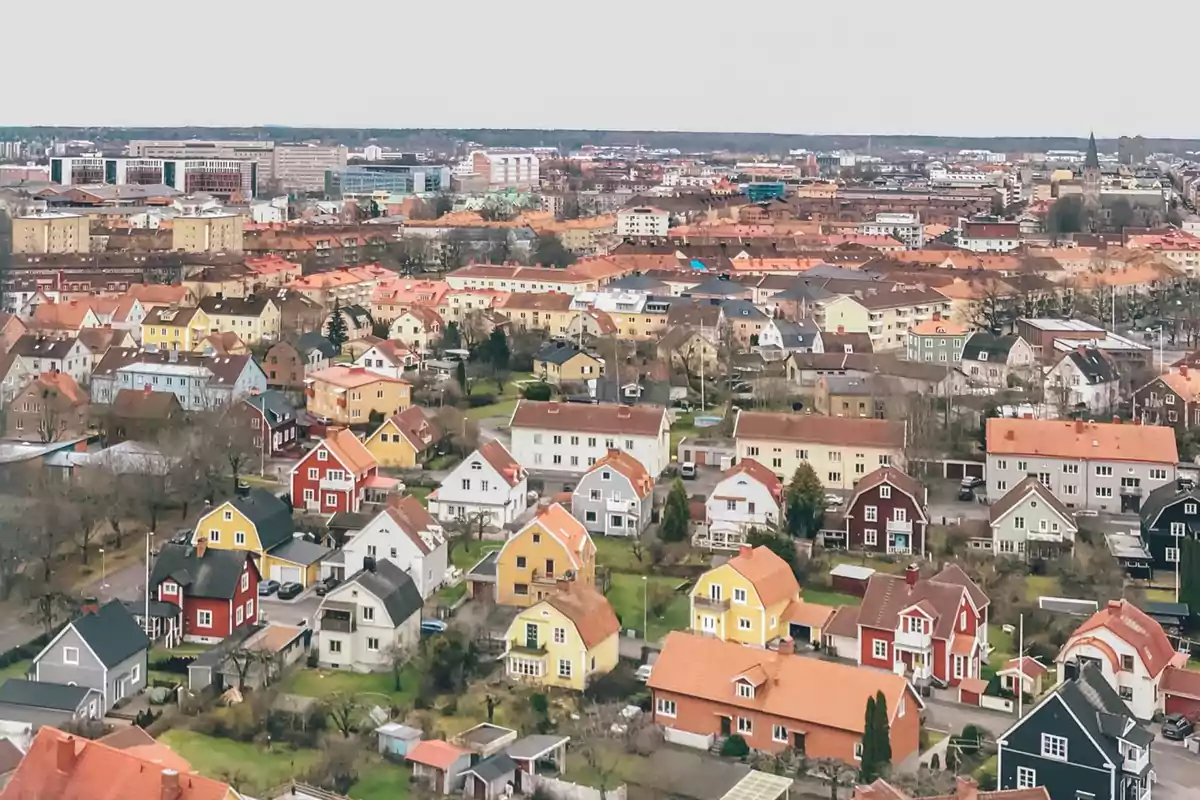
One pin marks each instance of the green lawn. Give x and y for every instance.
(988, 767)
(17, 669)
(683, 426)
(186, 649)
(1160, 595)
(452, 594)
(445, 461)
(379, 779)
(626, 596)
(616, 553)
(421, 493)
(1003, 645)
(503, 408)
(829, 598)
(464, 558)
(249, 767)
(324, 682)
(1042, 586)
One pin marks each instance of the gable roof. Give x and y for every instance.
(640, 420)
(111, 632)
(755, 470)
(558, 353)
(214, 575)
(252, 305)
(413, 519)
(794, 687)
(953, 573)
(32, 345)
(1164, 497)
(818, 430)
(436, 753)
(393, 586)
(1101, 712)
(140, 404)
(589, 610)
(1094, 364)
(892, 477)
(888, 595)
(567, 530)
(996, 347)
(625, 464)
(416, 427)
(770, 575)
(1135, 627)
(273, 405)
(495, 453)
(1184, 383)
(349, 450)
(271, 517)
(67, 767)
(1081, 440)
(174, 317)
(1016, 495)
(313, 340)
(62, 383)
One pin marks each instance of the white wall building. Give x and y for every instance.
(361, 622)
(643, 221)
(904, 227)
(488, 481)
(406, 535)
(571, 437)
(747, 495)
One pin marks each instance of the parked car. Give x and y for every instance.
(1176, 726)
(268, 588)
(643, 672)
(833, 500)
(326, 584)
(289, 590)
(972, 483)
(432, 627)
(687, 470)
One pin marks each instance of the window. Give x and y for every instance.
(745, 689)
(1189, 508)
(521, 588)
(1044, 478)
(739, 595)
(885, 492)
(1103, 471)
(1178, 529)
(1070, 469)
(245, 581)
(731, 505)
(1157, 474)
(745, 725)
(372, 644)
(1170, 399)
(1023, 466)
(239, 537)
(858, 751)
(135, 674)
(778, 733)
(835, 477)
(870, 514)
(322, 455)
(250, 608)
(870, 536)
(1026, 778)
(560, 635)
(1172, 555)
(589, 516)
(335, 646)
(71, 655)
(879, 648)
(203, 619)
(1125, 692)
(1104, 491)
(214, 536)
(564, 668)
(1054, 746)
(466, 484)
(520, 562)
(368, 613)
(665, 707)
(238, 617)
(743, 623)
(1019, 523)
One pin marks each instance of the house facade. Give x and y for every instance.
(560, 362)
(1085, 380)
(489, 482)
(288, 363)
(1094, 465)
(615, 497)
(572, 437)
(1170, 514)
(552, 546)
(404, 440)
(746, 599)
(1172, 399)
(994, 361)
(937, 341)
(41, 354)
(334, 475)
(216, 590)
(365, 619)
(50, 408)
(103, 649)
(887, 514)
(406, 535)
(748, 495)
(271, 420)
(1030, 522)
(350, 395)
(563, 640)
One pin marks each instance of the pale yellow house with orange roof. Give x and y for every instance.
(745, 599)
(552, 547)
(348, 395)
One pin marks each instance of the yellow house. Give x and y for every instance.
(175, 328)
(746, 599)
(532, 311)
(260, 523)
(563, 362)
(254, 318)
(403, 441)
(564, 639)
(552, 547)
(348, 395)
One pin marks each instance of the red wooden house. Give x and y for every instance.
(887, 513)
(338, 475)
(216, 591)
(932, 629)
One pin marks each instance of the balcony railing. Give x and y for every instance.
(541, 576)
(899, 526)
(338, 624)
(522, 647)
(1136, 763)
(1043, 536)
(621, 506)
(337, 485)
(913, 641)
(711, 603)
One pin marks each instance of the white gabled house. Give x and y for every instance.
(403, 533)
(747, 495)
(490, 481)
(388, 358)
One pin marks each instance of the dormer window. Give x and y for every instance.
(745, 689)
(476, 465)
(983, 356)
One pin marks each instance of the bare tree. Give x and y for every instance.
(464, 529)
(834, 773)
(50, 604)
(474, 328)
(343, 709)
(241, 660)
(604, 737)
(397, 656)
(462, 432)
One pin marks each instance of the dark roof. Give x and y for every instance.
(717, 287)
(215, 575)
(299, 551)
(166, 315)
(1164, 497)
(556, 352)
(251, 305)
(1095, 365)
(1019, 492)
(140, 404)
(494, 767)
(36, 694)
(31, 345)
(984, 342)
(349, 520)
(847, 343)
(225, 368)
(357, 314)
(802, 334)
(274, 405)
(1102, 713)
(112, 633)
(642, 283)
(313, 340)
(271, 516)
(738, 308)
(394, 587)
(1092, 159)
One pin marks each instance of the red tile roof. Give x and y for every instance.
(502, 461)
(1131, 625)
(815, 429)
(631, 468)
(1078, 439)
(641, 420)
(434, 753)
(770, 575)
(759, 473)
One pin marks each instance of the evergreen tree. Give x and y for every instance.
(883, 730)
(866, 768)
(451, 337)
(1189, 573)
(876, 742)
(674, 527)
(460, 374)
(337, 334)
(804, 502)
(497, 351)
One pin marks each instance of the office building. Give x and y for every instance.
(365, 179)
(207, 233)
(303, 166)
(226, 179)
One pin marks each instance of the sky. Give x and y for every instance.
(1019, 67)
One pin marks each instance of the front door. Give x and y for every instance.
(798, 742)
(549, 567)
(726, 726)
(531, 635)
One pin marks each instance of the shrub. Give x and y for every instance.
(970, 740)
(735, 747)
(476, 400)
(313, 658)
(538, 391)
(177, 665)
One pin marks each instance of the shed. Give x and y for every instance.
(1172, 616)
(707, 451)
(491, 777)
(481, 578)
(970, 690)
(439, 764)
(1131, 553)
(486, 739)
(529, 751)
(851, 578)
(396, 739)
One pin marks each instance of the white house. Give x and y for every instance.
(406, 535)
(43, 354)
(490, 481)
(1085, 378)
(747, 495)
(571, 437)
(362, 621)
(990, 360)
(642, 221)
(390, 359)
(1131, 650)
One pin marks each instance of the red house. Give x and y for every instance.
(337, 475)
(216, 591)
(887, 513)
(932, 630)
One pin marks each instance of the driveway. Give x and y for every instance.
(291, 612)
(1178, 770)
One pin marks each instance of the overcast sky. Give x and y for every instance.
(1019, 67)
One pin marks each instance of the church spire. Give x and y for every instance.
(1092, 159)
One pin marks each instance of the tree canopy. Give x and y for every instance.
(674, 527)
(804, 502)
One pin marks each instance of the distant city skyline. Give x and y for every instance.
(927, 68)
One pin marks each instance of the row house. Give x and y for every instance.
(522, 279)
(199, 382)
(572, 437)
(1101, 466)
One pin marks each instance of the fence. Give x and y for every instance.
(687, 739)
(565, 790)
(997, 703)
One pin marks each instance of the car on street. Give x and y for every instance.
(289, 590)
(833, 500)
(268, 588)
(432, 627)
(687, 470)
(326, 584)
(1177, 727)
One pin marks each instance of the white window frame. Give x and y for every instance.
(68, 658)
(885, 492)
(858, 750)
(744, 624)
(245, 581)
(745, 689)
(564, 668)
(204, 618)
(135, 673)
(1026, 778)
(876, 646)
(665, 707)
(745, 725)
(779, 733)
(739, 596)
(1054, 747)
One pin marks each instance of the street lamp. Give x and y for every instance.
(1159, 330)
(103, 571)
(645, 609)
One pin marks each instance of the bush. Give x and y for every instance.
(735, 747)
(177, 665)
(538, 391)
(970, 740)
(935, 763)
(313, 658)
(476, 400)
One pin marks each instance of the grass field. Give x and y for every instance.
(683, 426)
(626, 596)
(17, 669)
(452, 594)
(1003, 646)
(379, 779)
(377, 685)
(1042, 586)
(506, 401)
(828, 598)
(616, 553)
(464, 558)
(251, 768)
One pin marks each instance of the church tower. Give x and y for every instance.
(1091, 173)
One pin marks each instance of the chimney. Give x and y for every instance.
(787, 646)
(1183, 370)
(170, 785)
(1116, 420)
(1114, 605)
(201, 546)
(841, 329)
(1010, 435)
(911, 575)
(1079, 426)
(90, 605)
(1079, 349)
(65, 756)
(965, 788)
(745, 551)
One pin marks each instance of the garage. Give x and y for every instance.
(286, 574)
(1181, 692)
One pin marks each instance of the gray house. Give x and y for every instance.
(51, 704)
(1030, 522)
(104, 649)
(615, 496)
(374, 613)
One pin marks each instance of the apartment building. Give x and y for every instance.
(522, 279)
(51, 232)
(303, 166)
(254, 318)
(841, 449)
(643, 222)
(906, 228)
(572, 437)
(349, 395)
(892, 311)
(989, 236)
(210, 232)
(937, 341)
(1103, 466)
(504, 169)
(225, 179)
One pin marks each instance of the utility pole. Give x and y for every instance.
(1021, 667)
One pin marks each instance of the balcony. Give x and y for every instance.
(1043, 536)
(621, 506)
(338, 623)
(1137, 759)
(908, 640)
(711, 603)
(522, 647)
(899, 526)
(543, 577)
(337, 485)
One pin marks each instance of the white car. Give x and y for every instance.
(643, 672)
(833, 500)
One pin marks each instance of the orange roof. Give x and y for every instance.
(1028, 665)
(932, 327)
(807, 690)
(759, 473)
(1186, 386)
(591, 612)
(152, 294)
(1079, 439)
(630, 467)
(65, 767)
(67, 316)
(536, 301)
(769, 574)
(813, 615)
(1134, 626)
(496, 454)
(975, 288)
(430, 320)
(347, 448)
(558, 522)
(436, 753)
(65, 385)
(346, 377)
